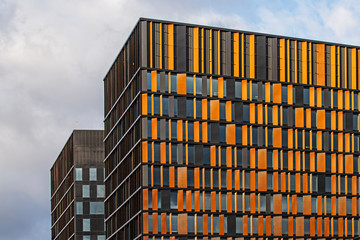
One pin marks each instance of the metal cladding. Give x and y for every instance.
(222, 134)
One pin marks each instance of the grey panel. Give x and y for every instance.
(260, 54)
(165, 46)
(299, 56)
(171, 106)
(156, 26)
(321, 183)
(268, 203)
(348, 121)
(165, 200)
(326, 98)
(190, 49)
(247, 55)
(260, 91)
(143, 45)
(199, 155)
(328, 65)
(162, 129)
(215, 132)
(342, 67)
(182, 106)
(244, 157)
(230, 88)
(145, 175)
(231, 225)
(326, 141)
(204, 86)
(180, 48)
(228, 48)
(290, 117)
(207, 51)
(238, 111)
(180, 153)
(143, 80)
(313, 70)
(269, 58)
(144, 128)
(215, 53)
(299, 95)
(292, 61)
(162, 81)
(260, 136)
(275, 59)
(349, 76)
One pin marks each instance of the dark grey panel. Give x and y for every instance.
(215, 132)
(199, 154)
(180, 153)
(215, 53)
(144, 38)
(275, 59)
(204, 86)
(180, 48)
(244, 157)
(260, 91)
(165, 200)
(348, 121)
(326, 98)
(162, 129)
(207, 51)
(268, 203)
(290, 117)
(230, 88)
(231, 224)
(162, 81)
(326, 141)
(299, 95)
(260, 136)
(228, 47)
(238, 111)
(260, 54)
(171, 106)
(182, 106)
(321, 183)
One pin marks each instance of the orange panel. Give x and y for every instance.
(283, 181)
(305, 183)
(213, 201)
(312, 226)
(321, 162)
(237, 179)
(262, 159)
(204, 132)
(204, 109)
(282, 59)
(182, 177)
(197, 177)
(277, 92)
(319, 205)
(145, 222)
(155, 199)
(294, 204)
(342, 206)
(179, 130)
(145, 151)
(275, 115)
(260, 225)
(221, 87)
(277, 134)
(349, 164)
(212, 156)
(163, 223)
(340, 99)
(308, 118)
(290, 161)
(228, 156)
(180, 200)
(333, 163)
(333, 205)
(311, 97)
(275, 159)
(244, 90)
(297, 183)
(221, 224)
(297, 161)
(230, 134)
(244, 135)
(347, 100)
(171, 46)
(205, 224)
(307, 204)
(155, 222)
(276, 181)
(267, 92)
(229, 179)
(144, 104)
(145, 199)
(236, 55)
(163, 152)
(171, 176)
(229, 202)
(181, 83)
(320, 67)
(252, 180)
(196, 49)
(182, 223)
(153, 81)
(277, 225)
(277, 204)
(214, 110)
(353, 203)
(291, 226)
(245, 225)
(228, 111)
(260, 114)
(319, 140)
(252, 202)
(252, 112)
(262, 181)
(197, 201)
(299, 117)
(299, 226)
(326, 227)
(268, 225)
(154, 128)
(318, 97)
(320, 118)
(341, 227)
(319, 226)
(196, 132)
(188, 201)
(333, 185)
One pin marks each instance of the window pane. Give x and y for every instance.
(86, 237)
(86, 191)
(79, 208)
(96, 208)
(100, 190)
(101, 237)
(92, 172)
(78, 174)
(86, 224)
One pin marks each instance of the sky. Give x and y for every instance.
(54, 55)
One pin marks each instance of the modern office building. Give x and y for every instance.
(215, 133)
(77, 188)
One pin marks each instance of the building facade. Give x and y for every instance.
(215, 133)
(77, 188)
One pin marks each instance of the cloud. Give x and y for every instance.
(55, 54)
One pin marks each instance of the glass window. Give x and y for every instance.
(79, 208)
(100, 191)
(86, 237)
(198, 85)
(96, 207)
(165, 106)
(238, 90)
(92, 176)
(198, 109)
(222, 111)
(86, 224)
(86, 191)
(78, 174)
(254, 91)
(189, 107)
(149, 81)
(101, 237)
(156, 105)
(214, 87)
(190, 84)
(173, 83)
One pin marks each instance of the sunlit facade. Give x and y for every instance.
(214, 133)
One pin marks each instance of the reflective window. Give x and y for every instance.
(92, 174)
(198, 85)
(101, 237)
(79, 208)
(96, 207)
(86, 237)
(238, 90)
(86, 191)
(190, 84)
(100, 191)
(78, 174)
(86, 225)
